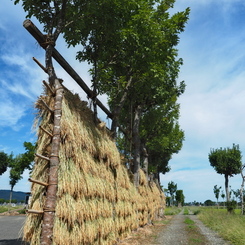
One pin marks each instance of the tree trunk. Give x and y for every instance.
(10, 197)
(50, 203)
(227, 188)
(136, 145)
(241, 193)
(145, 162)
(118, 109)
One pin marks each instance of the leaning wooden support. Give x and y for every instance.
(46, 131)
(44, 103)
(40, 65)
(34, 31)
(48, 87)
(38, 182)
(42, 157)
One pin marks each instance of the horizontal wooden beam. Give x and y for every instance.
(30, 211)
(35, 32)
(38, 182)
(42, 157)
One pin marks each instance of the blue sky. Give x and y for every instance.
(212, 108)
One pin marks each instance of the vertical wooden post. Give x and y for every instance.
(50, 203)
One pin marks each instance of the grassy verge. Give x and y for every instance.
(172, 210)
(6, 208)
(228, 226)
(194, 235)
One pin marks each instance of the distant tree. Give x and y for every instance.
(216, 193)
(208, 203)
(15, 176)
(223, 196)
(236, 194)
(226, 161)
(172, 187)
(180, 198)
(19, 164)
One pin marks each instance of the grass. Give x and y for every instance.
(172, 210)
(186, 211)
(194, 235)
(6, 208)
(228, 226)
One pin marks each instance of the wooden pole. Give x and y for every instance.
(50, 202)
(34, 31)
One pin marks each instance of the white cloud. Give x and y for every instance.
(11, 114)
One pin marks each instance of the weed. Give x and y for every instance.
(189, 221)
(186, 211)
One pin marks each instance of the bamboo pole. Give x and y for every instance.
(34, 31)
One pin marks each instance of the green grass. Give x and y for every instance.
(172, 210)
(186, 211)
(228, 226)
(194, 235)
(6, 208)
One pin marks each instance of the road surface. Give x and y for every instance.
(10, 230)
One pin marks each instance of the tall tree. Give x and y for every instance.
(180, 198)
(226, 161)
(216, 193)
(172, 187)
(242, 190)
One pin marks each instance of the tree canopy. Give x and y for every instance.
(131, 46)
(227, 161)
(5, 160)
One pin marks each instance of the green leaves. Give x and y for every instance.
(226, 161)
(5, 160)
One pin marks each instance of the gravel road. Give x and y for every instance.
(10, 230)
(175, 232)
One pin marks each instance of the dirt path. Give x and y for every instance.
(176, 232)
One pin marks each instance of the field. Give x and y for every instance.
(6, 208)
(228, 226)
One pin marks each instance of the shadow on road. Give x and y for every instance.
(13, 242)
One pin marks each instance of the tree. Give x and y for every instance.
(223, 197)
(172, 187)
(15, 176)
(19, 164)
(216, 193)
(180, 198)
(208, 203)
(242, 190)
(4, 161)
(226, 161)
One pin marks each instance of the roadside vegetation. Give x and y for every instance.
(6, 208)
(228, 226)
(194, 235)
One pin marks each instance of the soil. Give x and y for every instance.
(174, 231)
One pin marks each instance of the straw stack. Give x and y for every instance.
(96, 201)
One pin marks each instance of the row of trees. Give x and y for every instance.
(131, 47)
(234, 194)
(17, 164)
(174, 196)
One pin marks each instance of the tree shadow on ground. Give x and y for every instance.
(12, 242)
